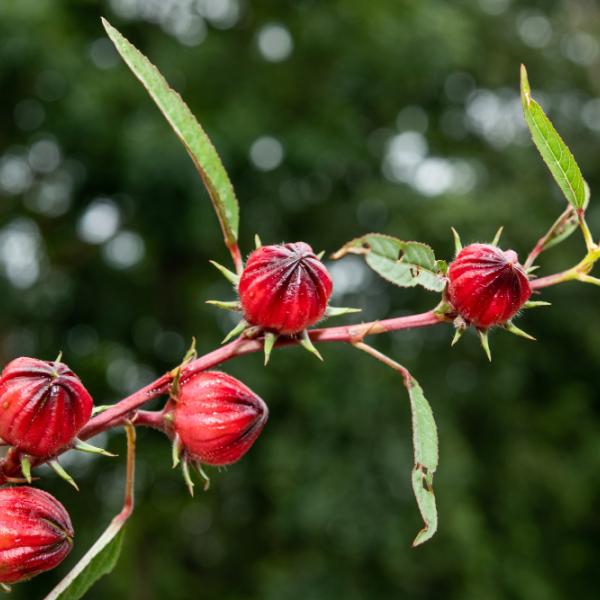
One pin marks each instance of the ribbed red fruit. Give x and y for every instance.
(35, 533)
(284, 288)
(487, 286)
(217, 417)
(43, 406)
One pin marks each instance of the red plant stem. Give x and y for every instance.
(127, 409)
(149, 418)
(386, 360)
(236, 256)
(346, 333)
(130, 476)
(547, 281)
(115, 526)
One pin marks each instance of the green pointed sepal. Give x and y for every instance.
(233, 305)
(236, 331)
(498, 235)
(485, 342)
(187, 476)
(26, 468)
(457, 243)
(270, 339)
(460, 328)
(232, 277)
(85, 447)
(512, 328)
(536, 304)
(60, 471)
(458, 333)
(338, 311)
(257, 241)
(176, 450)
(307, 344)
(204, 476)
(5, 588)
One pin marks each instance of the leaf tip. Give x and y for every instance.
(525, 88)
(106, 24)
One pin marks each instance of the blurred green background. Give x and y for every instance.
(334, 118)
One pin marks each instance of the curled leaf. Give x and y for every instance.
(406, 264)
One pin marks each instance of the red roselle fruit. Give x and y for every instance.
(487, 286)
(35, 533)
(284, 288)
(217, 418)
(43, 406)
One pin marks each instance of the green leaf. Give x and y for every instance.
(102, 557)
(550, 145)
(188, 130)
(562, 231)
(566, 224)
(425, 448)
(405, 264)
(102, 563)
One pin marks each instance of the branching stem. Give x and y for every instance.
(127, 410)
(386, 360)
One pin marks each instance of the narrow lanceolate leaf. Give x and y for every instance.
(554, 151)
(102, 557)
(425, 447)
(101, 564)
(405, 264)
(188, 130)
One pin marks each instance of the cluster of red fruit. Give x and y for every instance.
(214, 418)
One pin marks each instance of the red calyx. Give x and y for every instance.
(43, 406)
(217, 418)
(35, 533)
(284, 288)
(487, 286)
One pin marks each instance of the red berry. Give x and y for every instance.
(217, 418)
(43, 406)
(35, 533)
(284, 288)
(487, 286)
